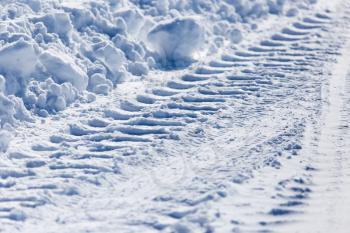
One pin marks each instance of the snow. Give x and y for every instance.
(58, 23)
(18, 59)
(5, 138)
(99, 84)
(90, 47)
(7, 110)
(113, 60)
(155, 116)
(176, 42)
(63, 69)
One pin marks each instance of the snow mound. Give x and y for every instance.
(176, 42)
(54, 53)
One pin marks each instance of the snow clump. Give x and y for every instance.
(177, 41)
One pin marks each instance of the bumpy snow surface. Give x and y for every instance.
(174, 116)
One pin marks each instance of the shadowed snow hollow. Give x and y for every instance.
(177, 42)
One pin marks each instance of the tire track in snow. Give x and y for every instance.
(329, 202)
(314, 186)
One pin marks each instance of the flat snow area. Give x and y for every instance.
(174, 116)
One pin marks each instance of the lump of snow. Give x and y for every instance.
(177, 41)
(58, 23)
(50, 96)
(7, 110)
(63, 69)
(80, 14)
(5, 138)
(18, 58)
(20, 113)
(113, 59)
(137, 25)
(99, 84)
(138, 68)
(235, 36)
(59, 96)
(12, 108)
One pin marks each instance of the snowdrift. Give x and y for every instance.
(54, 53)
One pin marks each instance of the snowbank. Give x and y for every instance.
(53, 53)
(177, 38)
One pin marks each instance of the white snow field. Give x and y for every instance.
(121, 116)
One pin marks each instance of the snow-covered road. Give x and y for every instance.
(254, 138)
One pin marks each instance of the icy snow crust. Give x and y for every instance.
(55, 53)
